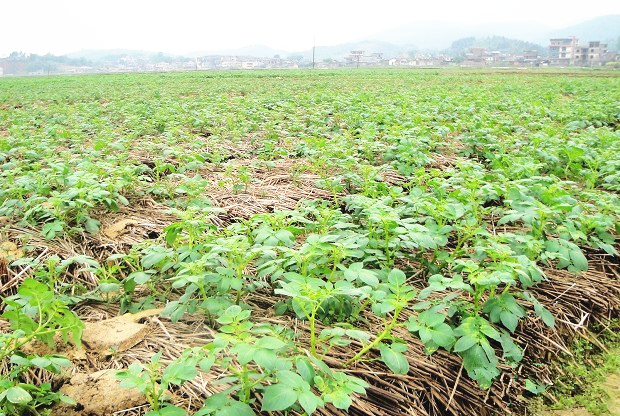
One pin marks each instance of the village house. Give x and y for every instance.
(567, 52)
(359, 58)
(562, 51)
(230, 62)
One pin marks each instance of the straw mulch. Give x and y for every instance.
(435, 385)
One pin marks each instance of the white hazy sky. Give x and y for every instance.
(63, 26)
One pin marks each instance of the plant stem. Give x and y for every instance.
(386, 331)
(311, 320)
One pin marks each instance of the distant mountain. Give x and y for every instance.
(604, 28)
(256, 51)
(438, 35)
(416, 37)
(98, 55)
(493, 43)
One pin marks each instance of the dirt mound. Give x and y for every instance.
(97, 394)
(116, 334)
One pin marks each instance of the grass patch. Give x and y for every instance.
(581, 382)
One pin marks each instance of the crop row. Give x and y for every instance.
(450, 193)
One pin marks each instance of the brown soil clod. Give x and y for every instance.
(118, 228)
(97, 394)
(9, 251)
(116, 334)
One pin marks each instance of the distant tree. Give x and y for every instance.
(160, 57)
(459, 46)
(15, 56)
(297, 58)
(492, 43)
(276, 56)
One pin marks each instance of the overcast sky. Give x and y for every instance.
(64, 26)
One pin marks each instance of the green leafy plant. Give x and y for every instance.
(34, 314)
(309, 296)
(154, 381)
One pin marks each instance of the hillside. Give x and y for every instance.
(424, 36)
(257, 51)
(99, 55)
(439, 35)
(493, 43)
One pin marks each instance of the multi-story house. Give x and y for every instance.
(562, 51)
(596, 51)
(566, 51)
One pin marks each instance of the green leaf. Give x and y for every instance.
(544, 314)
(534, 386)
(206, 363)
(59, 361)
(41, 362)
(154, 256)
(425, 334)
(140, 277)
(339, 399)
(271, 343)
(50, 230)
(220, 404)
(357, 334)
(510, 348)
(396, 277)
(474, 358)
(356, 271)
(464, 343)
(92, 225)
(292, 380)
(412, 324)
(488, 330)
(394, 359)
(305, 370)
(509, 320)
(504, 308)
(235, 408)
(18, 395)
(68, 400)
(309, 402)
(108, 287)
(431, 318)
(286, 237)
(171, 232)
(443, 336)
(179, 372)
(268, 359)
(20, 361)
(278, 397)
(167, 410)
(579, 261)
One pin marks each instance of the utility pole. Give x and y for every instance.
(313, 47)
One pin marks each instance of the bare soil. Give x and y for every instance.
(97, 394)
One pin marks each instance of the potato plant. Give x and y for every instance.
(499, 177)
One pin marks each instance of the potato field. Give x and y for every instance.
(364, 242)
